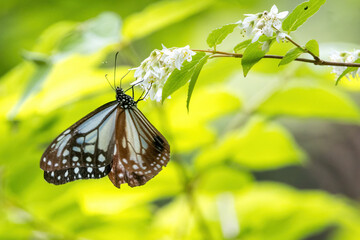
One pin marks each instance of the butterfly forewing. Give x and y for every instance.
(141, 149)
(85, 150)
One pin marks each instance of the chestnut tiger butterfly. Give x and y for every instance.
(115, 139)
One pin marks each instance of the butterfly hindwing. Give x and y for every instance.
(141, 149)
(85, 150)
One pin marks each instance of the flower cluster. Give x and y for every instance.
(154, 71)
(345, 57)
(265, 23)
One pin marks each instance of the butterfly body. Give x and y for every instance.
(116, 140)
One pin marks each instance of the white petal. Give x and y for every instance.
(256, 36)
(268, 31)
(274, 9)
(266, 46)
(282, 14)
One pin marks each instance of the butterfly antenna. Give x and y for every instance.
(124, 76)
(109, 81)
(116, 54)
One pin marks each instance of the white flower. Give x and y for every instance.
(280, 36)
(154, 71)
(266, 45)
(345, 57)
(265, 23)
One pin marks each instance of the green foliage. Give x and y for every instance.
(242, 45)
(218, 35)
(252, 54)
(313, 47)
(291, 55)
(194, 78)
(91, 35)
(304, 100)
(160, 15)
(179, 78)
(300, 14)
(346, 71)
(260, 145)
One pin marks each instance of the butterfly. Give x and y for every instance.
(116, 140)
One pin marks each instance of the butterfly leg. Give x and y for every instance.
(147, 92)
(140, 96)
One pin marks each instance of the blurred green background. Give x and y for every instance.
(275, 155)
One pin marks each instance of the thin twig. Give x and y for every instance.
(319, 62)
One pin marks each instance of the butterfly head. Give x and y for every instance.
(124, 100)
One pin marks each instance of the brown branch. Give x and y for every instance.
(316, 62)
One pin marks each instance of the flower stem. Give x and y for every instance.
(313, 61)
(316, 58)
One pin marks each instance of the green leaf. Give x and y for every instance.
(194, 78)
(219, 34)
(300, 14)
(92, 35)
(36, 57)
(313, 47)
(291, 55)
(304, 100)
(242, 45)
(33, 86)
(160, 15)
(347, 70)
(179, 78)
(252, 55)
(258, 145)
(265, 145)
(231, 180)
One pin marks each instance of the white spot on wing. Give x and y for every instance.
(101, 158)
(62, 145)
(91, 137)
(76, 149)
(76, 170)
(106, 131)
(65, 153)
(80, 140)
(135, 167)
(143, 143)
(124, 142)
(132, 133)
(90, 149)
